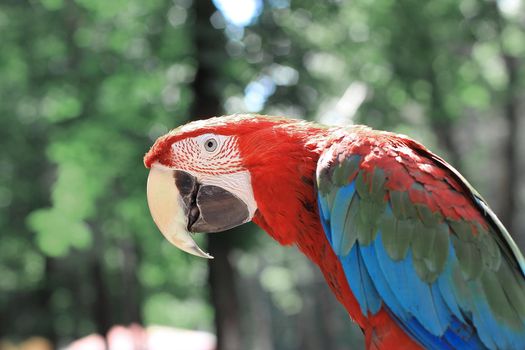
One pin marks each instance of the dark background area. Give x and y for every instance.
(86, 86)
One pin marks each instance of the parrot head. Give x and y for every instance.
(197, 183)
(207, 176)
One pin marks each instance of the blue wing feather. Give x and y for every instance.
(360, 282)
(414, 294)
(338, 216)
(424, 311)
(383, 286)
(449, 313)
(324, 210)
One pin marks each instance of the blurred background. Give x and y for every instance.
(86, 86)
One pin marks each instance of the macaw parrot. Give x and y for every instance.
(407, 246)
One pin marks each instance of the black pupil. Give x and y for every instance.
(210, 144)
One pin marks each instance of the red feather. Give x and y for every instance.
(282, 156)
(282, 163)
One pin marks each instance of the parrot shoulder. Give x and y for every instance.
(416, 239)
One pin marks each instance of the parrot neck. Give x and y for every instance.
(282, 170)
(283, 181)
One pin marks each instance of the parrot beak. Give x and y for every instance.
(167, 209)
(180, 205)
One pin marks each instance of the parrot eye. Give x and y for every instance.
(210, 144)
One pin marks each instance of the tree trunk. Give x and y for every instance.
(221, 279)
(510, 183)
(130, 302)
(441, 123)
(102, 305)
(210, 54)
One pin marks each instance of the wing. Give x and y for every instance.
(415, 239)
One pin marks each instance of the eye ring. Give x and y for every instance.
(210, 144)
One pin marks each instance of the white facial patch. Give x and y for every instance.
(218, 166)
(238, 183)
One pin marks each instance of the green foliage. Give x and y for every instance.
(88, 85)
(86, 88)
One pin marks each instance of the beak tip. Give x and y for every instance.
(199, 252)
(167, 211)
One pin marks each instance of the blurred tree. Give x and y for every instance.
(88, 85)
(210, 54)
(92, 84)
(511, 61)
